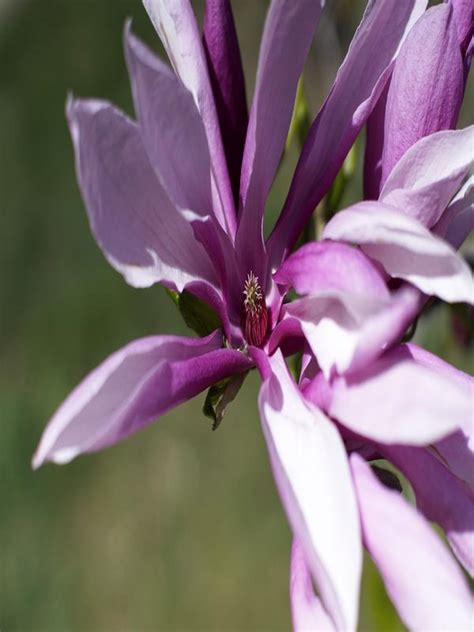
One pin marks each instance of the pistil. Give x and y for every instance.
(254, 318)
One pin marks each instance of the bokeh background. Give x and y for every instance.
(177, 527)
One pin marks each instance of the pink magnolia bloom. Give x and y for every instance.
(333, 501)
(386, 408)
(177, 198)
(161, 197)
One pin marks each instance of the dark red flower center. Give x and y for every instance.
(254, 318)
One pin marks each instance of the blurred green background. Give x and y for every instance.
(178, 527)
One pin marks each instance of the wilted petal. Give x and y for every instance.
(440, 495)
(140, 231)
(398, 400)
(329, 265)
(429, 174)
(287, 36)
(132, 387)
(311, 472)
(457, 221)
(422, 579)
(306, 609)
(348, 105)
(171, 127)
(347, 330)
(228, 85)
(405, 248)
(426, 87)
(176, 25)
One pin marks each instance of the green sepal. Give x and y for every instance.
(300, 119)
(338, 187)
(197, 315)
(219, 396)
(410, 332)
(174, 296)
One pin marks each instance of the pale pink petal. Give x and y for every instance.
(457, 221)
(171, 126)
(307, 611)
(421, 578)
(429, 174)
(426, 88)
(346, 330)
(329, 265)
(440, 495)
(457, 450)
(311, 472)
(405, 248)
(400, 401)
(176, 25)
(142, 234)
(134, 386)
(356, 89)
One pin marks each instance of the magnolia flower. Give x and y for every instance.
(416, 162)
(418, 169)
(310, 430)
(178, 197)
(161, 197)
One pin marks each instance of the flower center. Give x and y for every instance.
(254, 318)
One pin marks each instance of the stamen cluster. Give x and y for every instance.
(254, 320)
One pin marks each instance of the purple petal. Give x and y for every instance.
(228, 85)
(457, 450)
(346, 331)
(219, 247)
(132, 387)
(306, 609)
(287, 36)
(347, 107)
(429, 174)
(349, 316)
(176, 25)
(432, 361)
(457, 222)
(140, 231)
(427, 85)
(440, 495)
(330, 265)
(311, 472)
(171, 127)
(464, 16)
(423, 581)
(397, 400)
(405, 248)
(287, 335)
